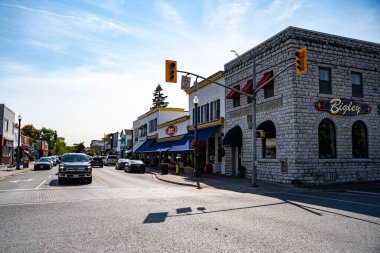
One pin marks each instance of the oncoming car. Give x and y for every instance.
(75, 166)
(111, 160)
(43, 163)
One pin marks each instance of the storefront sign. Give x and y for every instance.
(171, 130)
(337, 106)
(9, 144)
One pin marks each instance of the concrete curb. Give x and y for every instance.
(13, 173)
(172, 182)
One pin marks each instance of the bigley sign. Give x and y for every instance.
(339, 106)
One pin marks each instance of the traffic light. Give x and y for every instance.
(171, 71)
(301, 61)
(260, 134)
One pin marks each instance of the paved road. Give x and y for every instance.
(136, 213)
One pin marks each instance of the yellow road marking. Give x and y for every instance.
(101, 181)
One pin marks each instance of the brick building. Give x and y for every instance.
(7, 144)
(321, 127)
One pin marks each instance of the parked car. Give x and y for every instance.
(121, 163)
(54, 160)
(44, 163)
(135, 165)
(75, 166)
(97, 161)
(111, 160)
(51, 161)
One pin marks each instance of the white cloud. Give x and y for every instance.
(11, 67)
(111, 5)
(169, 12)
(281, 10)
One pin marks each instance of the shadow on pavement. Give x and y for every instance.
(74, 182)
(342, 197)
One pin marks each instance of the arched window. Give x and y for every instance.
(269, 142)
(359, 140)
(326, 139)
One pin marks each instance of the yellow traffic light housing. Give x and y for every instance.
(171, 71)
(260, 134)
(301, 61)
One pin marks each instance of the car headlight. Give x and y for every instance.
(61, 168)
(88, 168)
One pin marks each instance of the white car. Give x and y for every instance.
(111, 160)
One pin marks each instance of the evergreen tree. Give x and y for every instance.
(159, 98)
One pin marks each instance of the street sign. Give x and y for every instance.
(185, 83)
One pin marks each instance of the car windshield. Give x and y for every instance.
(97, 159)
(74, 158)
(136, 162)
(44, 160)
(112, 157)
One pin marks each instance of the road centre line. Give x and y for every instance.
(101, 181)
(40, 184)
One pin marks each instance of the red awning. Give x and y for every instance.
(265, 78)
(233, 94)
(248, 87)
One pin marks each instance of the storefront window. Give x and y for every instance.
(269, 142)
(359, 140)
(326, 139)
(269, 148)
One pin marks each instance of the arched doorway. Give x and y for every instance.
(234, 140)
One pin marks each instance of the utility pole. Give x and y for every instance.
(254, 137)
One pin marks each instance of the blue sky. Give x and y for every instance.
(88, 67)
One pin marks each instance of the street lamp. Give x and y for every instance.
(18, 142)
(196, 101)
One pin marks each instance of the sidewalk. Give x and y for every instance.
(234, 183)
(6, 171)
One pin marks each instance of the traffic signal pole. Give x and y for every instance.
(254, 137)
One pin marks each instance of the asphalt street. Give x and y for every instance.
(132, 212)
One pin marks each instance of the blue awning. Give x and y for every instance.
(144, 146)
(171, 146)
(137, 145)
(204, 133)
(183, 145)
(269, 128)
(160, 147)
(234, 137)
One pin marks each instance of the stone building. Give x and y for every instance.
(321, 127)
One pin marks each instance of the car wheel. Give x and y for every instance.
(89, 180)
(101, 166)
(61, 180)
(143, 171)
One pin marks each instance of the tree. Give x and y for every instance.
(48, 135)
(60, 146)
(159, 98)
(32, 132)
(79, 148)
